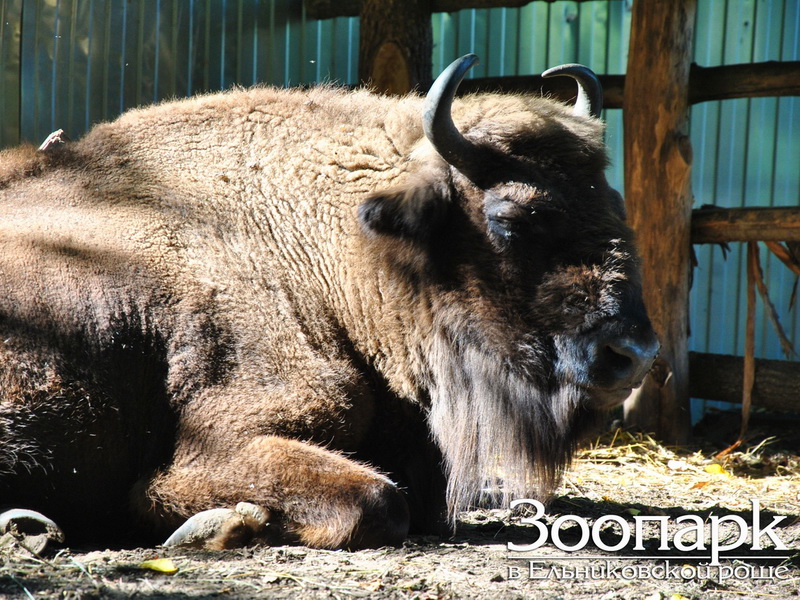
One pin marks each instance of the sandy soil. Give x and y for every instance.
(618, 481)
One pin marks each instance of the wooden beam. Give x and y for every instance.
(327, 9)
(717, 225)
(705, 83)
(558, 87)
(744, 81)
(658, 157)
(765, 79)
(719, 377)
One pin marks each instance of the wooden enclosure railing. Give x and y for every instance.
(657, 166)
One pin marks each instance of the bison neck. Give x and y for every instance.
(503, 433)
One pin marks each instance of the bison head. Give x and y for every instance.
(515, 249)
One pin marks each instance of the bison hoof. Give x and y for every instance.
(221, 528)
(30, 529)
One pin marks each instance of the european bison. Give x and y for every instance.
(341, 308)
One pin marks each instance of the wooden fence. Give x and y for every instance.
(658, 191)
(76, 62)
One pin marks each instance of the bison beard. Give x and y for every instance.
(502, 433)
(279, 297)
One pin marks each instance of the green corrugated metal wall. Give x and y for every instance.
(9, 70)
(70, 63)
(746, 153)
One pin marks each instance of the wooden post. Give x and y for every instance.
(658, 159)
(395, 45)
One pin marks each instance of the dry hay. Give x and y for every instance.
(629, 467)
(620, 473)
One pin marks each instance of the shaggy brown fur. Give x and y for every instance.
(276, 296)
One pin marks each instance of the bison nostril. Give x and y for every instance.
(617, 359)
(629, 360)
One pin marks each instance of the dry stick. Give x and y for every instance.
(782, 253)
(786, 343)
(749, 347)
(755, 279)
(750, 337)
(790, 260)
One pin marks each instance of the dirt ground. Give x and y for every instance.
(620, 480)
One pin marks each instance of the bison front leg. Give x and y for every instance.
(311, 496)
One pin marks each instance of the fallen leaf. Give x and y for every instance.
(699, 484)
(162, 565)
(717, 470)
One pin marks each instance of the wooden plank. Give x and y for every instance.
(326, 9)
(719, 377)
(751, 80)
(658, 196)
(765, 79)
(717, 225)
(558, 87)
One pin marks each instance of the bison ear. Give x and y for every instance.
(412, 212)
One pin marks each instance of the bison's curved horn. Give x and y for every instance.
(437, 122)
(590, 92)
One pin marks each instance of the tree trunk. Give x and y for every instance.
(395, 45)
(658, 158)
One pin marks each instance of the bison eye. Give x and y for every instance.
(503, 227)
(508, 222)
(504, 218)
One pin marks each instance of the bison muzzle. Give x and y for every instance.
(353, 314)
